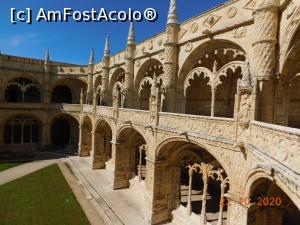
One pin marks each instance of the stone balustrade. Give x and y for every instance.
(279, 142)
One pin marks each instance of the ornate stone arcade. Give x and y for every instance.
(201, 121)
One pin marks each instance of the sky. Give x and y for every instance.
(71, 42)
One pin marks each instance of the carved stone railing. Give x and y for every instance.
(198, 124)
(88, 108)
(104, 111)
(279, 142)
(71, 107)
(134, 115)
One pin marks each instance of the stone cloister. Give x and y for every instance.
(200, 121)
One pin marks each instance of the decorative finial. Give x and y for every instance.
(131, 35)
(47, 56)
(92, 57)
(106, 49)
(172, 16)
(246, 82)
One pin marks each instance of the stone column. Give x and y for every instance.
(122, 170)
(46, 82)
(171, 58)
(98, 150)
(264, 55)
(46, 135)
(158, 208)
(90, 87)
(105, 73)
(213, 101)
(129, 68)
(82, 148)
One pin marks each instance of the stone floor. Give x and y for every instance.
(120, 206)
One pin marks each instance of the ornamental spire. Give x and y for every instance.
(172, 16)
(106, 48)
(131, 35)
(47, 56)
(92, 57)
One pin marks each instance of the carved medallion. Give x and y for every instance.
(188, 47)
(194, 27)
(231, 12)
(250, 5)
(211, 20)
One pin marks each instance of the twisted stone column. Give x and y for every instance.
(170, 68)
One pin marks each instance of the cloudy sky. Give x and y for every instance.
(72, 41)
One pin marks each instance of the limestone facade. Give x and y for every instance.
(202, 120)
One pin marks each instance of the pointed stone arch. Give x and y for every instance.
(217, 64)
(173, 156)
(143, 81)
(129, 157)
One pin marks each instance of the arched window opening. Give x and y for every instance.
(64, 132)
(22, 90)
(270, 205)
(60, 132)
(131, 155)
(210, 86)
(150, 72)
(195, 182)
(21, 129)
(61, 94)
(198, 96)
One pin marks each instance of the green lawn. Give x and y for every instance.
(5, 166)
(40, 198)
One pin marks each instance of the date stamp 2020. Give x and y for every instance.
(259, 201)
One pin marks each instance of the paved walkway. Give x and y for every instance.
(24, 169)
(124, 206)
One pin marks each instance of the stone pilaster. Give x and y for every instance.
(122, 170)
(90, 89)
(129, 68)
(47, 81)
(171, 58)
(105, 74)
(158, 209)
(98, 150)
(46, 135)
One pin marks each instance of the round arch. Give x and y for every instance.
(270, 199)
(86, 128)
(143, 81)
(130, 157)
(64, 132)
(211, 90)
(102, 151)
(22, 89)
(175, 156)
(70, 89)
